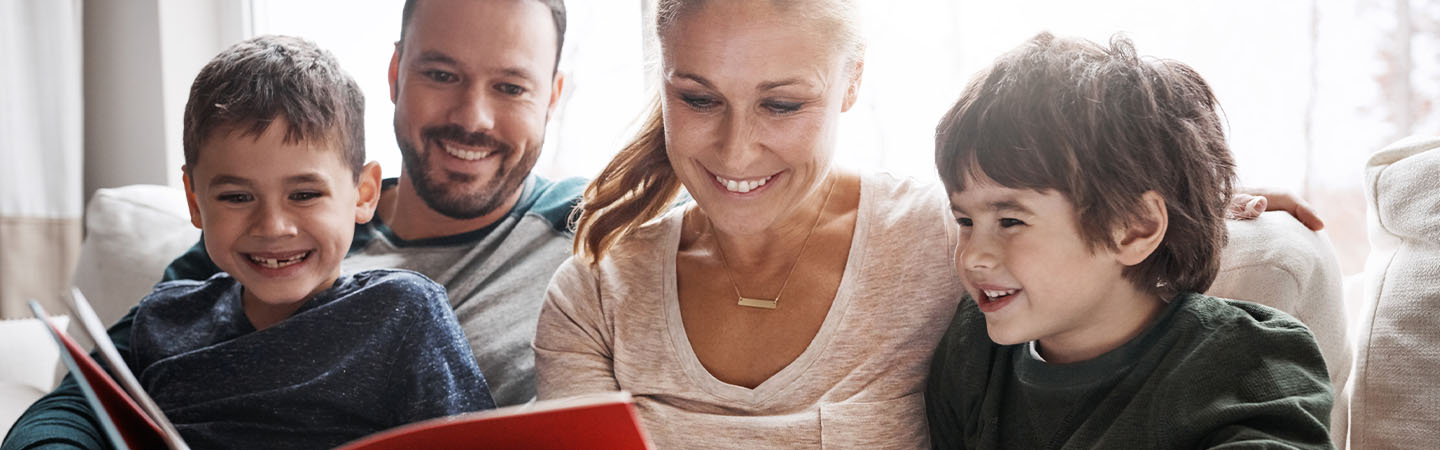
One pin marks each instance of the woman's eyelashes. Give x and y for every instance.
(700, 102)
(711, 103)
(782, 108)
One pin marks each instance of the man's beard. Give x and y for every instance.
(445, 193)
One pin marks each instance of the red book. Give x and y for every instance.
(596, 421)
(133, 421)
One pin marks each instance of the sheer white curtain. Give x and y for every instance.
(40, 150)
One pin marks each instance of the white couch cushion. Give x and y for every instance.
(31, 359)
(1275, 261)
(131, 234)
(1396, 401)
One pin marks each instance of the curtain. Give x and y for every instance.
(40, 151)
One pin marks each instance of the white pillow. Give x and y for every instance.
(131, 234)
(1396, 400)
(30, 354)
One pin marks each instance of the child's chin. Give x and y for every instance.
(1002, 338)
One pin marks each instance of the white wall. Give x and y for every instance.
(140, 57)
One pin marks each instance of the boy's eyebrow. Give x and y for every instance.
(1009, 205)
(229, 179)
(304, 178)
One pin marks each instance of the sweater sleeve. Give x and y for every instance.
(63, 418)
(572, 341)
(433, 366)
(1281, 391)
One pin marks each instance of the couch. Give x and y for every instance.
(133, 232)
(1396, 391)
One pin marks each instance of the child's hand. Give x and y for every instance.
(1246, 206)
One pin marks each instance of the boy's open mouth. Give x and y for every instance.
(992, 300)
(277, 261)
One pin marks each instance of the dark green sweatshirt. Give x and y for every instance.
(1208, 373)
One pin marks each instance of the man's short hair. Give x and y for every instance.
(557, 13)
(1101, 126)
(256, 82)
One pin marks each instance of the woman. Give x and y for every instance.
(791, 304)
(766, 313)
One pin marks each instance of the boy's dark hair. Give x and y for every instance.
(557, 13)
(269, 78)
(1101, 126)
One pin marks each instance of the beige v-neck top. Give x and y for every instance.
(859, 384)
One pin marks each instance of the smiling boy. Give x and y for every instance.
(281, 349)
(1090, 186)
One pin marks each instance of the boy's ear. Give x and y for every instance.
(1136, 241)
(394, 73)
(853, 91)
(368, 188)
(190, 196)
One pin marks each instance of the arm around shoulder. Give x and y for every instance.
(573, 342)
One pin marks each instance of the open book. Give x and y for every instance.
(132, 420)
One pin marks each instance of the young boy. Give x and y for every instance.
(281, 349)
(1090, 187)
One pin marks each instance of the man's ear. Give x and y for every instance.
(1136, 241)
(368, 190)
(185, 176)
(853, 91)
(557, 86)
(394, 74)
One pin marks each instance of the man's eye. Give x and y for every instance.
(699, 102)
(1007, 223)
(235, 198)
(509, 89)
(307, 195)
(439, 76)
(782, 107)
(965, 222)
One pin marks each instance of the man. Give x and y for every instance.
(473, 83)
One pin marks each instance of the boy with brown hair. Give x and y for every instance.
(281, 349)
(1090, 187)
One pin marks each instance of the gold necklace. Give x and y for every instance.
(762, 303)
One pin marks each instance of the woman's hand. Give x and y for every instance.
(1249, 205)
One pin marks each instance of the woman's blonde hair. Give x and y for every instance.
(639, 184)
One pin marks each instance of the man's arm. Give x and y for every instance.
(63, 418)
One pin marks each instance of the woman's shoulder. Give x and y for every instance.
(902, 199)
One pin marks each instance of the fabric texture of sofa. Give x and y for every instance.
(1396, 400)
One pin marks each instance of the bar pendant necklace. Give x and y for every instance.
(764, 303)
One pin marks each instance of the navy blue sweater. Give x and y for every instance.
(379, 349)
